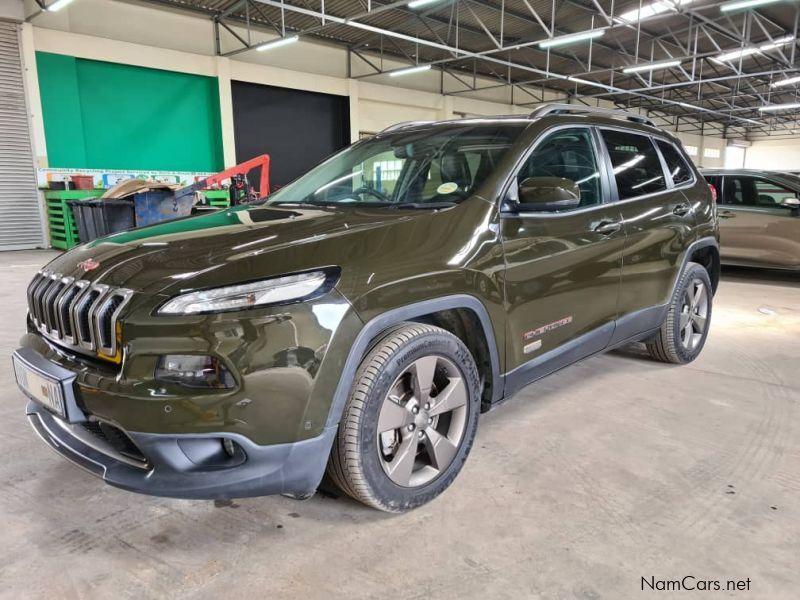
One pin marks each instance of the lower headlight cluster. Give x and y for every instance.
(194, 371)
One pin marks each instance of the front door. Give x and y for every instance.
(562, 268)
(755, 227)
(659, 224)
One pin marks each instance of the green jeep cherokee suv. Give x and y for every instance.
(359, 319)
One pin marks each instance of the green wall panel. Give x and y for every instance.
(101, 115)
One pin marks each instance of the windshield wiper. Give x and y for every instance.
(303, 204)
(429, 205)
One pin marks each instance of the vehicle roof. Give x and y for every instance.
(784, 176)
(609, 120)
(722, 171)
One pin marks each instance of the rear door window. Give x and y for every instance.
(676, 165)
(739, 191)
(636, 164)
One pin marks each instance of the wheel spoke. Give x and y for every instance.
(403, 462)
(688, 332)
(440, 449)
(393, 416)
(688, 299)
(699, 323)
(424, 369)
(699, 295)
(684, 319)
(451, 397)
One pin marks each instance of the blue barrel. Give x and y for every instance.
(155, 206)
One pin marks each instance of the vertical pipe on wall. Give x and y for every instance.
(226, 111)
(34, 99)
(352, 93)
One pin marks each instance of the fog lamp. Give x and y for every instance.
(194, 371)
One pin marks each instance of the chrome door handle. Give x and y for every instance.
(607, 227)
(682, 210)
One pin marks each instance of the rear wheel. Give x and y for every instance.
(684, 331)
(410, 419)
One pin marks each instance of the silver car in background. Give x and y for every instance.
(759, 217)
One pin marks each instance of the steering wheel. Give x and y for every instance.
(372, 192)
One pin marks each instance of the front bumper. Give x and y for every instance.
(181, 465)
(172, 467)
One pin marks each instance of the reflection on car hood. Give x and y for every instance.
(229, 246)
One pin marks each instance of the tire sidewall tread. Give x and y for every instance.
(666, 345)
(355, 464)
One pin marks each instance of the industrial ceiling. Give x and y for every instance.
(726, 67)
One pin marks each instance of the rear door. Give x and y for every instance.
(658, 220)
(754, 226)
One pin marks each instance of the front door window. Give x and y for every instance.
(570, 154)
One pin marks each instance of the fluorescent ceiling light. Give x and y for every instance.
(784, 82)
(410, 70)
(589, 82)
(418, 3)
(744, 52)
(740, 4)
(777, 43)
(774, 107)
(652, 66)
(728, 56)
(572, 38)
(277, 43)
(650, 10)
(58, 5)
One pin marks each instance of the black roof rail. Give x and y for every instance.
(564, 109)
(402, 124)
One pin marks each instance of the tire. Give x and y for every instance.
(675, 342)
(418, 452)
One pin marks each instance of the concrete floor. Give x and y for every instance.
(615, 469)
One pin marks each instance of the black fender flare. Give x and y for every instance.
(385, 320)
(704, 242)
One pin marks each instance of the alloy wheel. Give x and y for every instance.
(422, 421)
(694, 314)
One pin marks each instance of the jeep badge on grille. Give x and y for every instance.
(89, 264)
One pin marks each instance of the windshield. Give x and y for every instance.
(428, 168)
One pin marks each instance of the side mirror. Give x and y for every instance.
(548, 194)
(791, 203)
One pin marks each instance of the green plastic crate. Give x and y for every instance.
(218, 198)
(63, 232)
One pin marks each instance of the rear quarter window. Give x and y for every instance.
(676, 165)
(636, 164)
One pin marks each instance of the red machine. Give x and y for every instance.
(240, 189)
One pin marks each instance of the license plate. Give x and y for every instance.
(44, 390)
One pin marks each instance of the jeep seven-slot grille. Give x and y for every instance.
(77, 313)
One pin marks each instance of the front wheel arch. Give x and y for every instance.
(418, 311)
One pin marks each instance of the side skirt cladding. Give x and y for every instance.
(628, 328)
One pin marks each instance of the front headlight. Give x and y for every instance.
(278, 290)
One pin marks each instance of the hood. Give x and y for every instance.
(229, 246)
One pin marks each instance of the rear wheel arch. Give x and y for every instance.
(706, 254)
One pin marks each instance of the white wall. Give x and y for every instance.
(734, 157)
(775, 155)
(142, 35)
